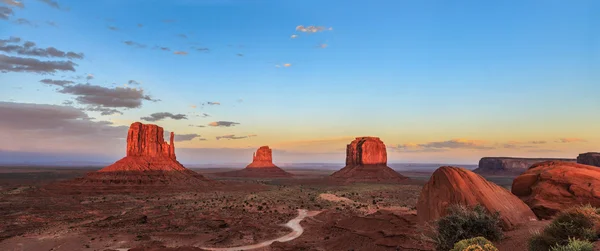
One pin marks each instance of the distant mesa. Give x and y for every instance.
(261, 167)
(453, 185)
(552, 186)
(366, 161)
(150, 161)
(509, 165)
(591, 158)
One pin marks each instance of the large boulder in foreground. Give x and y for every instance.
(261, 167)
(453, 185)
(366, 161)
(592, 159)
(552, 186)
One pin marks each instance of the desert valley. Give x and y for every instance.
(149, 201)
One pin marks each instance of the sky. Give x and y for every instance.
(437, 81)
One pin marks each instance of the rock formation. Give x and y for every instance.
(592, 159)
(552, 186)
(453, 185)
(509, 166)
(366, 161)
(150, 161)
(261, 167)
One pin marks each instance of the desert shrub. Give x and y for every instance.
(462, 223)
(575, 245)
(579, 223)
(474, 244)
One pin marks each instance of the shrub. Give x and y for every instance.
(474, 244)
(463, 223)
(580, 223)
(575, 245)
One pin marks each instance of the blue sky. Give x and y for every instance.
(411, 72)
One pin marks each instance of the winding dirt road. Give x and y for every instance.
(293, 224)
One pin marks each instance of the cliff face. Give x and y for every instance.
(263, 157)
(366, 151)
(592, 159)
(366, 161)
(510, 166)
(148, 141)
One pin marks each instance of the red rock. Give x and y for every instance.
(552, 186)
(262, 158)
(261, 167)
(453, 185)
(366, 161)
(592, 159)
(150, 161)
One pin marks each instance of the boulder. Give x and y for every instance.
(453, 185)
(366, 161)
(552, 186)
(592, 159)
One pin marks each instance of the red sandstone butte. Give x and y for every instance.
(453, 185)
(366, 161)
(551, 186)
(261, 167)
(150, 161)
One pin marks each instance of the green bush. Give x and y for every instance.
(575, 245)
(578, 223)
(462, 223)
(474, 244)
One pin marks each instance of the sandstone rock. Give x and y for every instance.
(261, 167)
(508, 165)
(552, 186)
(150, 161)
(592, 159)
(453, 185)
(262, 158)
(366, 161)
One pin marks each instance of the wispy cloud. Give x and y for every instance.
(184, 36)
(89, 76)
(5, 12)
(293, 36)
(29, 48)
(113, 28)
(163, 115)
(140, 25)
(52, 23)
(161, 48)
(183, 53)
(571, 140)
(104, 110)
(201, 49)
(223, 124)
(322, 46)
(134, 44)
(197, 125)
(232, 136)
(186, 137)
(52, 4)
(213, 103)
(13, 3)
(311, 28)
(439, 146)
(19, 64)
(133, 82)
(56, 82)
(94, 95)
(23, 21)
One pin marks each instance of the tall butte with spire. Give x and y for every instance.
(366, 161)
(150, 161)
(261, 167)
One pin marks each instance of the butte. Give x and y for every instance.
(261, 167)
(150, 162)
(366, 161)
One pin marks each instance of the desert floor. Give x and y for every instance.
(241, 212)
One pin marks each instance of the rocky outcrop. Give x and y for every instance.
(592, 159)
(261, 167)
(552, 186)
(510, 166)
(453, 185)
(150, 161)
(148, 140)
(262, 158)
(366, 161)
